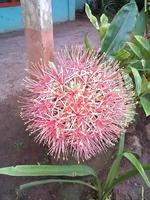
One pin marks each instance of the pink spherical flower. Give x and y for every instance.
(78, 106)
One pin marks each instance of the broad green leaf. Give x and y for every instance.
(91, 17)
(141, 23)
(104, 25)
(87, 44)
(135, 50)
(48, 170)
(138, 166)
(47, 181)
(137, 79)
(120, 29)
(145, 102)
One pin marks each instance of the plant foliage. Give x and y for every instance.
(134, 56)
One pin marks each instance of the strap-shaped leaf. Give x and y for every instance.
(123, 177)
(137, 165)
(120, 29)
(114, 169)
(47, 181)
(48, 170)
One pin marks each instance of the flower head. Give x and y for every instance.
(78, 106)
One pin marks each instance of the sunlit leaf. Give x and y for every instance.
(91, 17)
(104, 25)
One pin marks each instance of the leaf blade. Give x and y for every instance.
(91, 17)
(145, 102)
(137, 79)
(138, 166)
(48, 170)
(120, 29)
(47, 181)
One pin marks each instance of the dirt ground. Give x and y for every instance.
(16, 147)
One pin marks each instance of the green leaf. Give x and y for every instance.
(140, 65)
(48, 170)
(137, 79)
(122, 54)
(135, 50)
(52, 170)
(121, 144)
(145, 85)
(104, 19)
(145, 102)
(91, 17)
(114, 169)
(104, 25)
(143, 45)
(47, 181)
(138, 166)
(87, 44)
(113, 173)
(141, 23)
(125, 176)
(120, 29)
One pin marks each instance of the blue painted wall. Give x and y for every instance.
(63, 10)
(80, 3)
(11, 17)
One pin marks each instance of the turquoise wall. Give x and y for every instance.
(80, 4)
(11, 17)
(63, 10)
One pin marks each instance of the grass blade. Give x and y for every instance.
(123, 177)
(136, 163)
(47, 181)
(121, 144)
(114, 170)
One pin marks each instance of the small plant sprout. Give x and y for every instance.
(78, 106)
